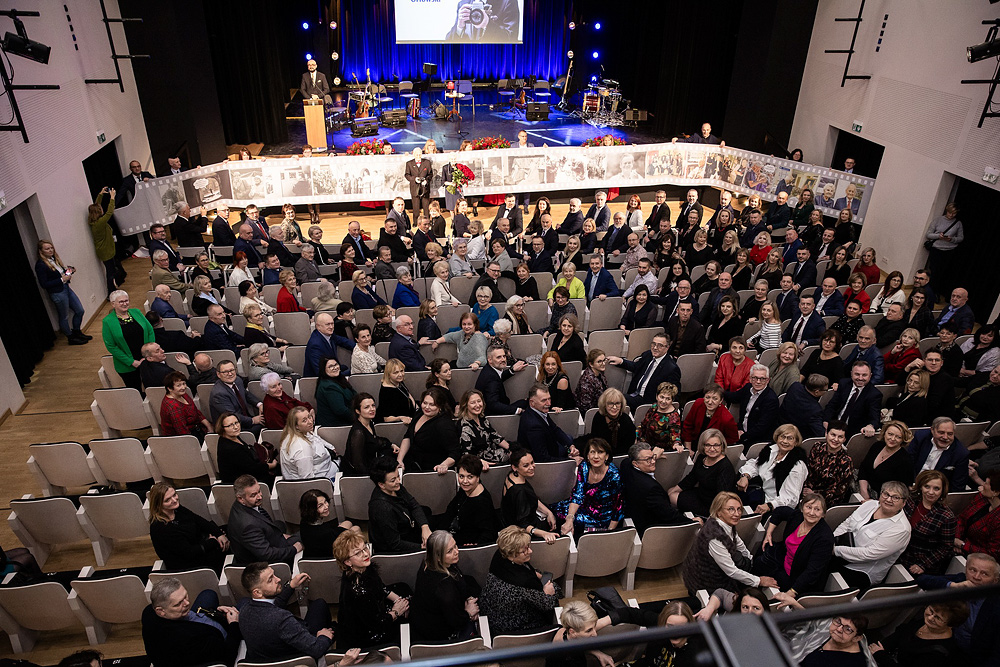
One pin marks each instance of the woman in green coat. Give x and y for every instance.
(125, 331)
(334, 395)
(104, 237)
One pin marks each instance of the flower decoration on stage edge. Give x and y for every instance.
(486, 143)
(460, 175)
(367, 147)
(599, 141)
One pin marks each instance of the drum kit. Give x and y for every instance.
(603, 104)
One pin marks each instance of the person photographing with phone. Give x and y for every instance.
(55, 276)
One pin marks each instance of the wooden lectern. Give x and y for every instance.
(315, 124)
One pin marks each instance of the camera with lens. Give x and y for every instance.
(478, 12)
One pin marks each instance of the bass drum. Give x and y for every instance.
(591, 103)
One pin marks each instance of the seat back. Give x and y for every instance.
(177, 456)
(223, 496)
(335, 435)
(47, 520)
(355, 492)
(612, 341)
(38, 607)
(601, 554)
(554, 481)
(202, 579)
(836, 514)
(293, 327)
(666, 546)
(605, 314)
(670, 468)
(554, 558)
(493, 481)
(395, 568)
(421, 651)
(857, 448)
(747, 527)
(475, 561)
(325, 576)
(58, 465)
(431, 489)
(114, 381)
(120, 460)
(826, 599)
(121, 410)
(696, 370)
(290, 492)
(117, 516)
(523, 346)
(114, 600)
(878, 619)
(194, 499)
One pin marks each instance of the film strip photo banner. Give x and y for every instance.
(275, 181)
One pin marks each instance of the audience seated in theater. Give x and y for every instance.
(712, 474)
(599, 284)
(758, 407)
(750, 311)
(918, 312)
(784, 369)
(470, 342)
(649, 370)
(271, 632)
(305, 455)
(808, 327)
(798, 562)
(686, 332)
(276, 402)
(787, 300)
(218, 334)
(229, 395)
(910, 404)
(538, 433)
(162, 274)
(661, 427)
(829, 301)
(318, 532)
(857, 401)
(803, 271)
(397, 522)
(932, 524)
(723, 288)
(395, 404)
(645, 275)
(561, 306)
(981, 354)
(826, 361)
(153, 368)
(801, 406)
(733, 371)
(182, 539)
(839, 269)
(202, 296)
(776, 477)
(566, 341)
(520, 505)
(612, 423)
(240, 272)
(403, 347)
(261, 364)
(595, 504)
(174, 633)
(640, 312)
(709, 280)
(868, 268)
(334, 395)
(887, 460)
(850, 323)
(726, 326)
(592, 382)
(445, 602)
(202, 267)
(325, 299)
(236, 457)
(856, 284)
(749, 600)
(939, 449)
(891, 293)
(489, 279)
(205, 372)
(322, 343)
(879, 532)
(645, 501)
(253, 534)
(470, 516)
(552, 375)
(838, 642)
(245, 245)
(927, 639)
(831, 470)
(514, 597)
(981, 400)
(958, 312)
(178, 413)
(979, 523)
(364, 447)
(718, 558)
(709, 412)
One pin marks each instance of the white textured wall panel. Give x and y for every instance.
(920, 119)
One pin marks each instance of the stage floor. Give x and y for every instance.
(560, 129)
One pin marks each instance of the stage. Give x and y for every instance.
(561, 129)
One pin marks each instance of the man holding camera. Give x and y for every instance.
(480, 21)
(419, 173)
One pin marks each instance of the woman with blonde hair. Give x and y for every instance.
(785, 368)
(182, 539)
(395, 403)
(579, 621)
(910, 404)
(932, 525)
(54, 276)
(768, 336)
(568, 279)
(440, 290)
(516, 598)
(778, 473)
(771, 269)
(288, 301)
(612, 422)
(887, 460)
(303, 453)
(905, 351)
(202, 297)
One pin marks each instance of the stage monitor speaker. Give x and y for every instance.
(364, 127)
(636, 115)
(537, 111)
(430, 69)
(394, 118)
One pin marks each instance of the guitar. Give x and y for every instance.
(364, 106)
(520, 100)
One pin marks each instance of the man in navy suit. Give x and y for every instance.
(539, 259)
(615, 241)
(229, 395)
(723, 288)
(691, 203)
(758, 407)
(244, 244)
(808, 327)
(398, 213)
(261, 237)
(754, 227)
(829, 300)
(158, 241)
(868, 352)
(850, 200)
(512, 213)
(161, 304)
(490, 382)
(217, 334)
(646, 502)
(803, 270)
(362, 253)
(599, 283)
(222, 231)
(725, 204)
(573, 222)
(858, 403)
(537, 433)
(649, 370)
(787, 301)
(778, 213)
(599, 211)
(958, 313)
(681, 294)
(661, 211)
(322, 343)
(978, 636)
(939, 449)
(792, 245)
(801, 406)
(403, 347)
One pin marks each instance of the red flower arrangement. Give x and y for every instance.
(599, 141)
(460, 175)
(369, 147)
(486, 143)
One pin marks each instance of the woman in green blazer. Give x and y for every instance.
(125, 331)
(334, 395)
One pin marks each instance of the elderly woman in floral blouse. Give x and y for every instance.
(830, 467)
(661, 427)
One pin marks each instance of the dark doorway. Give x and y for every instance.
(867, 154)
(978, 206)
(103, 169)
(29, 334)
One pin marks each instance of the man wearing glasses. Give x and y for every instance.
(646, 502)
(229, 395)
(649, 370)
(758, 407)
(878, 532)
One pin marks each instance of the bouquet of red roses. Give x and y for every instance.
(369, 147)
(486, 143)
(599, 141)
(460, 175)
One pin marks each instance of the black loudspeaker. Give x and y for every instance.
(537, 111)
(430, 69)
(364, 127)
(636, 115)
(394, 118)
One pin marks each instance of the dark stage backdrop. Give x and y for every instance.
(369, 41)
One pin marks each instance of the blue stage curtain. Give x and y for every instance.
(369, 41)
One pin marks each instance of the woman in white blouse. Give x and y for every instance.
(891, 292)
(250, 296)
(780, 470)
(363, 357)
(440, 289)
(477, 244)
(239, 272)
(304, 454)
(880, 532)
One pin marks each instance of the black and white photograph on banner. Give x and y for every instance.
(208, 188)
(325, 183)
(627, 166)
(295, 182)
(169, 194)
(849, 195)
(525, 169)
(493, 172)
(249, 184)
(826, 191)
(695, 167)
(565, 169)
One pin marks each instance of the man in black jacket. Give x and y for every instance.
(419, 174)
(253, 534)
(188, 228)
(314, 84)
(490, 383)
(649, 370)
(758, 407)
(660, 211)
(510, 210)
(858, 402)
(686, 332)
(126, 191)
(489, 279)
(646, 502)
(801, 406)
(573, 222)
(176, 634)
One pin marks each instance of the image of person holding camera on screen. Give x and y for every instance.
(481, 21)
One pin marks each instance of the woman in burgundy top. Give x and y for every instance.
(709, 412)
(276, 402)
(178, 414)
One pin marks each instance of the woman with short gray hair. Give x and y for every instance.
(278, 404)
(879, 531)
(261, 364)
(405, 295)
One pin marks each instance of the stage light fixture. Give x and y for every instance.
(593, 78)
(597, 26)
(572, 26)
(333, 25)
(336, 80)
(569, 54)
(595, 55)
(335, 55)
(309, 56)
(981, 51)
(305, 25)
(19, 44)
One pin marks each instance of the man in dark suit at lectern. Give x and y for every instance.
(419, 173)
(314, 85)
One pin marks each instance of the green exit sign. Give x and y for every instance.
(856, 126)
(101, 138)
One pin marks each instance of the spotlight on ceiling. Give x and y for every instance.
(305, 25)
(595, 55)
(336, 80)
(572, 26)
(309, 56)
(19, 45)
(333, 25)
(597, 26)
(335, 55)
(569, 54)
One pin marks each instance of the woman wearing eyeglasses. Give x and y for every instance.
(516, 598)
(879, 531)
(377, 610)
(238, 457)
(838, 642)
